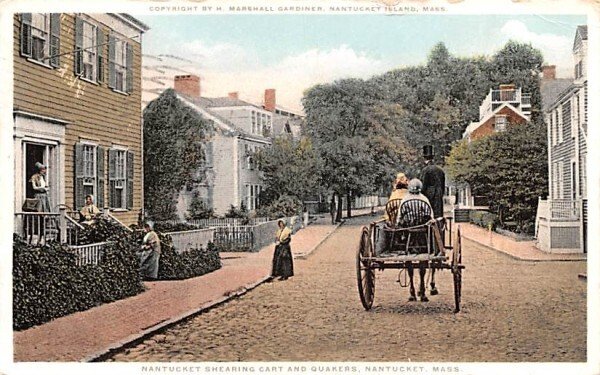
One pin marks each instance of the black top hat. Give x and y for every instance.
(428, 152)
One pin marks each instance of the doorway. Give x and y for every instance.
(34, 153)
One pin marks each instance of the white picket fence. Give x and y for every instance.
(89, 254)
(192, 239)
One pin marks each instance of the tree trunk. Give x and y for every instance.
(348, 206)
(339, 209)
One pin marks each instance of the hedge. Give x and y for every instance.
(47, 283)
(190, 263)
(484, 219)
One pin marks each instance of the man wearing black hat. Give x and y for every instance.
(434, 182)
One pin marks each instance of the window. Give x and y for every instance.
(500, 123)
(560, 180)
(575, 115)
(89, 51)
(120, 60)
(252, 196)
(40, 27)
(40, 37)
(120, 176)
(559, 129)
(253, 115)
(89, 173)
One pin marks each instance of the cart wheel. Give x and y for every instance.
(457, 270)
(364, 273)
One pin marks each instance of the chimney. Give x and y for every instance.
(188, 84)
(549, 72)
(233, 95)
(270, 100)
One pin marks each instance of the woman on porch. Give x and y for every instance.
(38, 182)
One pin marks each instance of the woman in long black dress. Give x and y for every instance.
(283, 265)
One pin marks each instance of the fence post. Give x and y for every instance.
(62, 222)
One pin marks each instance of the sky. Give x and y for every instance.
(292, 52)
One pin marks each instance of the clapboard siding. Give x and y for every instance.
(95, 113)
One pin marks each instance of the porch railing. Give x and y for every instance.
(89, 254)
(564, 210)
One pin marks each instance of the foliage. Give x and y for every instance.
(101, 230)
(284, 206)
(290, 167)
(484, 219)
(174, 138)
(166, 227)
(198, 209)
(508, 168)
(237, 213)
(47, 284)
(189, 263)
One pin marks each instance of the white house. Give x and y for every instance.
(562, 217)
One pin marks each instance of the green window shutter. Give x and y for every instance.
(79, 198)
(129, 58)
(78, 56)
(100, 177)
(112, 166)
(112, 75)
(100, 53)
(129, 180)
(55, 39)
(26, 34)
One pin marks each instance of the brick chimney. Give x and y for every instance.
(270, 100)
(549, 72)
(188, 84)
(233, 95)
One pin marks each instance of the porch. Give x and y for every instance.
(561, 225)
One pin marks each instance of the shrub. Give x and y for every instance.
(47, 283)
(190, 263)
(178, 227)
(198, 209)
(285, 206)
(101, 230)
(237, 213)
(484, 219)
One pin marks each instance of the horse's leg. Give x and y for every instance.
(422, 272)
(434, 290)
(409, 267)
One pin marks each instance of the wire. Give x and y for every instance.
(83, 49)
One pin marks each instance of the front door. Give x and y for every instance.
(46, 154)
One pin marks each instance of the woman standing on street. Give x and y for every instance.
(283, 265)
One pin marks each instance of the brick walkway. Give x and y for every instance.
(521, 250)
(88, 334)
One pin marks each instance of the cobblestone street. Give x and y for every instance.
(511, 311)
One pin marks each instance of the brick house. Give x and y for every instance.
(562, 217)
(240, 129)
(502, 107)
(77, 93)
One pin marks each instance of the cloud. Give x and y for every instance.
(225, 68)
(557, 49)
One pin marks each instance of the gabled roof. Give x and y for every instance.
(580, 34)
(474, 125)
(551, 90)
(226, 102)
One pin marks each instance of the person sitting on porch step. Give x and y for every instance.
(89, 212)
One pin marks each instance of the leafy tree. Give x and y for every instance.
(290, 167)
(174, 137)
(508, 168)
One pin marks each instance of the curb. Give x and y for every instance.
(137, 338)
(306, 254)
(519, 258)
